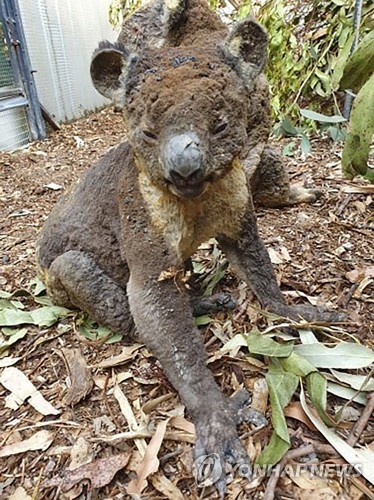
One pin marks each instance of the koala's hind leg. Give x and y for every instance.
(74, 279)
(271, 187)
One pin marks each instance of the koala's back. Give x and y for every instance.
(87, 218)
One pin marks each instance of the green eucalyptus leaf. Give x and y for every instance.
(360, 66)
(38, 287)
(203, 320)
(282, 386)
(14, 317)
(49, 315)
(266, 346)
(360, 133)
(341, 62)
(319, 117)
(347, 393)
(274, 451)
(297, 365)
(344, 355)
(289, 149)
(288, 128)
(14, 337)
(305, 144)
(317, 390)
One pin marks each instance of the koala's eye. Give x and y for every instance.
(149, 136)
(221, 127)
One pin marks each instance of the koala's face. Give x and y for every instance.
(186, 114)
(186, 108)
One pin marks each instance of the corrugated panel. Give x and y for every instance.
(14, 129)
(61, 37)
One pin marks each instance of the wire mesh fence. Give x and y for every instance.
(59, 39)
(14, 130)
(6, 72)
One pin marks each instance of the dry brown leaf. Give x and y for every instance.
(23, 389)
(150, 463)
(153, 403)
(129, 416)
(295, 410)
(19, 494)
(181, 423)
(170, 273)
(80, 454)
(321, 494)
(275, 257)
(166, 487)
(260, 395)
(128, 353)
(364, 283)
(357, 275)
(99, 473)
(39, 441)
(306, 481)
(80, 376)
(358, 189)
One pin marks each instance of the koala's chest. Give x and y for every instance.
(185, 224)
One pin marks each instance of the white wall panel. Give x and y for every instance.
(61, 37)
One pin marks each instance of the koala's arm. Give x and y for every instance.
(164, 322)
(251, 260)
(249, 257)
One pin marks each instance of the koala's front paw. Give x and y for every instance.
(218, 445)
(212, 304)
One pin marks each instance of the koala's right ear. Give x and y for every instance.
(108, 64)
(247, 47)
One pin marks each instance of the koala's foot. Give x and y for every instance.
(217, 440)
(312, 314)
(315, 314)
(300, 194)
(74, 279)
(212, 304)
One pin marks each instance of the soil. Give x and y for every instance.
(322, 253)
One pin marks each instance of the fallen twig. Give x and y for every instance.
(292, 455)
(361, 423)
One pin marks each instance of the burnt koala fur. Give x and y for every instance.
(196, 110)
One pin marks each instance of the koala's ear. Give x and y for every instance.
(174, 15)
(247, 46)
(108, 64)
(174, 9)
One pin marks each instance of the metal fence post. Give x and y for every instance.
(14, 35)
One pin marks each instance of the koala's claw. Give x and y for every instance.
(218, 446)
(217, 452)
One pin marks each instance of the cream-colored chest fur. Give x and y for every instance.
(186, 224)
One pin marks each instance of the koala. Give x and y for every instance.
(196, 111)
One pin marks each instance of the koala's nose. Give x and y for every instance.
(184, 160)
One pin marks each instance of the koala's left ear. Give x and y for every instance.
(247, 47)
